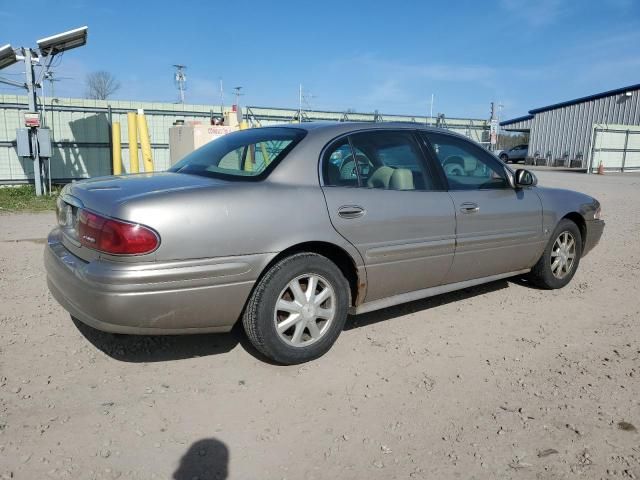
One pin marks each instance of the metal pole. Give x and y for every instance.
(45, 124)
(624, 152)
(593, 150)
(110, 133)
(431, 111)
(33, 107)
(221, 100)
(300, 104)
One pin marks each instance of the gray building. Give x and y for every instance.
(601, 128)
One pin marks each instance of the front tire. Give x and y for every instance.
(504, 157)
(298, 309)
(560, 259)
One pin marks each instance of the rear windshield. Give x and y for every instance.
(246, 153)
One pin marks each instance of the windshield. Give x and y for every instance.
(247, 153)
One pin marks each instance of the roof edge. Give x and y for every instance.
(516, 120)
(588, 98)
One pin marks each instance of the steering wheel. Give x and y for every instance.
(453, 166)
(453, 170)
(348, 166)
(348, 169)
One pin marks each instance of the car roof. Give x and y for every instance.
(339, 128)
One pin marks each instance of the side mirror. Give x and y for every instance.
(524, 178)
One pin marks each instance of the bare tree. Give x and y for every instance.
(101, 85)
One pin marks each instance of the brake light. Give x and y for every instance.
(115, 236)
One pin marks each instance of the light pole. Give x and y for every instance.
(48, 47)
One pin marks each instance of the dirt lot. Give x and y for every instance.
(499, 381)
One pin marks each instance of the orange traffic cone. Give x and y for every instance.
(600, 169)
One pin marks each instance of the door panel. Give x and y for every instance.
(503, 235)
(498, 228)
(406, 238)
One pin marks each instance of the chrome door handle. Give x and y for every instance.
(469, 207)
(351, 211)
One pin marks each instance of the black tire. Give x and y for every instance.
(541, 274)
(504, 157)
(258, 317)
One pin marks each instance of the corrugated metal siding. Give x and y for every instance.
(518, 126)
(80, 132)
(570, 129)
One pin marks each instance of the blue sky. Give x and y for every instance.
(364, 55)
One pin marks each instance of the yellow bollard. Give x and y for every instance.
(244, 125)
(134, 166)
(250, 159)
(145, 141)
(116, 145)
(265, 155)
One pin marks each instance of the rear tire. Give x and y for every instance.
(290, 324)
(560, 259)
(504, 157)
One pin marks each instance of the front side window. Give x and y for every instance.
(247, 153)
(467, 166)
(384, 159)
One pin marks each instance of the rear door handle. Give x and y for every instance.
(469, 207)
(351, 211)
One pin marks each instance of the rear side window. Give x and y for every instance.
(338, 168)
(388, 160)
(247, 153)
(467, 166)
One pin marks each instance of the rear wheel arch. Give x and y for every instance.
(339, 256)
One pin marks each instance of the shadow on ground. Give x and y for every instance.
(159, 348)
(162, 348)
(206, 459)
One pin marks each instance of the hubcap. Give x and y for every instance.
(304, 310)
(563, 255)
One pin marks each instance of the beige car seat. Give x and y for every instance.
(380, 178)
(402, 179)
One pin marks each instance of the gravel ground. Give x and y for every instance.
(498, 381)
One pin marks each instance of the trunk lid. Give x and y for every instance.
(105, 194)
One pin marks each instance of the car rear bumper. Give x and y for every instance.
(594, 232)
(191, 296)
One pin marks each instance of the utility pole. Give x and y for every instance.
(48, 48)
(238, 109)
(221, 99)
(300, 104)
(33, 107)
(431, 110)
(302, 101)
(181, 81)
(493, 127)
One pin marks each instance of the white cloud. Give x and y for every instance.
(388, 90)
(404, 87)
(429, 71)
(536, 13)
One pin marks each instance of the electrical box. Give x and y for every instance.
(23, 142)
(184, 139)
(44, 142)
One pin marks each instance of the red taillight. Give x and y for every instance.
(114, 236)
